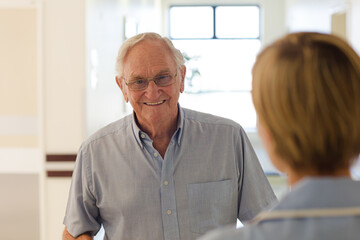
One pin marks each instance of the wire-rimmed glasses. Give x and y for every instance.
(162, 80)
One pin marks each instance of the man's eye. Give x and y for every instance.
(139, 81)
(162, 78)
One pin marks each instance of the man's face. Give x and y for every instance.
(155, 104)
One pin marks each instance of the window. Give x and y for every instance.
(220, 44)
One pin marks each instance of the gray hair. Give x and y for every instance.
(131, 42)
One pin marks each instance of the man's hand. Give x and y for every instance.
(67, 236)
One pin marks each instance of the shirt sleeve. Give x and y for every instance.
(255, 192)
(81, 214)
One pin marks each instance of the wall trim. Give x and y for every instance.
(60, 157)
(61, 161)
(59, 173)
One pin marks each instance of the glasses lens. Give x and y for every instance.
(163, 80)
(138, 84)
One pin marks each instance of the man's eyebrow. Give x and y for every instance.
(136, 77)
(161, 72)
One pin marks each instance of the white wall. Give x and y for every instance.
(354, 25)
(309, 15)
(105, 32)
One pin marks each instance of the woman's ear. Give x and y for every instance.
(268, 142)
(120, 83)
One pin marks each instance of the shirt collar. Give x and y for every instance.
(180, 125)
(139, 135)
(137, 131)
(315, 192)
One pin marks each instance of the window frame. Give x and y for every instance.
(259, 39)
(214, 6)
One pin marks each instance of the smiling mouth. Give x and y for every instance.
(155, 103)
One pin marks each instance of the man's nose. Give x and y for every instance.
(152, 90)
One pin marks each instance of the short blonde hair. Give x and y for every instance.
(306, 91)
(131, 42)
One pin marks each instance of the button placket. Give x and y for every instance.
(168, 201)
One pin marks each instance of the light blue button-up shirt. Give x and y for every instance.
(314, 194)
(209, 177)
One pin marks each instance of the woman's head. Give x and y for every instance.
(306, 91)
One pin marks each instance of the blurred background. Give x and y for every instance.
(57, 86)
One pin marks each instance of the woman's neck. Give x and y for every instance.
(294, 176)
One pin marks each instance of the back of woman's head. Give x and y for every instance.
(306, 90)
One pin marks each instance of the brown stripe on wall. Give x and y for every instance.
(61, 157)
(59, 173)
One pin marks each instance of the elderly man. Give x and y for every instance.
(164, 172)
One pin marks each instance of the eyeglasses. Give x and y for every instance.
(160, 80)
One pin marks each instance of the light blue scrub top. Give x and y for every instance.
(312, 193)
(209, 177)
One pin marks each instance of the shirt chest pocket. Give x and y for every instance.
(211, 205)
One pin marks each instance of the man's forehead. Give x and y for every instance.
(148, 46)
(148, 58)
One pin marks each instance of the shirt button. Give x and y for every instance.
(156, 154)
(168, 212)
(142, 135)
(166, 183)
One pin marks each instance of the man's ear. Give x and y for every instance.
(120, 83)
(183, 74)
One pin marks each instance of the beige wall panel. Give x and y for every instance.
(19, 208)
(19, 141)
(338, 24)
(18, 62)
(64, 75)
(21, 160)
(57, 189)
